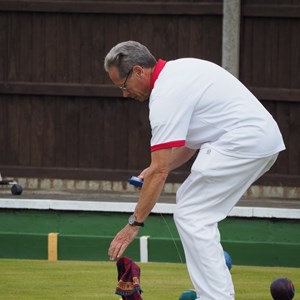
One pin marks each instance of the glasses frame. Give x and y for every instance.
(123, 86)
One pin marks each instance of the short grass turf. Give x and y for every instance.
(33, 279)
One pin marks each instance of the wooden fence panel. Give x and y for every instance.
(60, 115)
(270, 60)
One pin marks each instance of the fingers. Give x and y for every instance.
(121, 241)
(143, 173)
(116, 250)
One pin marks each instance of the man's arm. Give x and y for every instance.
(154, 181)
(153, 184)
(180, 156)
(162, 161)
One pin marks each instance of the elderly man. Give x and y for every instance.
(195, 105)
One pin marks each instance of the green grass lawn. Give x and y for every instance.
(34, 279)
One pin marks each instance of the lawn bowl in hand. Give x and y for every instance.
(136, 181)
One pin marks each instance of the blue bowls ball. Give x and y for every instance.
(228, 260)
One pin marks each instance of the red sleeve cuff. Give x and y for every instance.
(168, 145)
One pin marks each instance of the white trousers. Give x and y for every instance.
(215, 185)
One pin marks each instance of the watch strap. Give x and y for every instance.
(132, 221)
(135, 223)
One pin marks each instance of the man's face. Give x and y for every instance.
(136, 85)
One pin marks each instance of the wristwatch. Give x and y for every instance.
(132, 221)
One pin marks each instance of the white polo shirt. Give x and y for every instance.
(197, 103)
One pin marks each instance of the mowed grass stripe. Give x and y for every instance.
(36, 279)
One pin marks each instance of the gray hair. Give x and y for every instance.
(125, 55)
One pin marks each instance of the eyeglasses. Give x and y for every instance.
(123, 86)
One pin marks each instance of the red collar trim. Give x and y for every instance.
(157, 69)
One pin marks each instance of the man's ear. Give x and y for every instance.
(138, 70)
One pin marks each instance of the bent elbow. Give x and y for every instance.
(161, 173)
